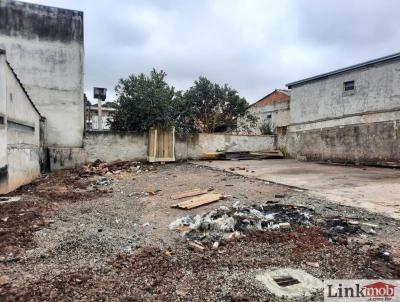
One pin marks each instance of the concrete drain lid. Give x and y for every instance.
(286, 281)
(289, 282)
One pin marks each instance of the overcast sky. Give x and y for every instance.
(254, 46)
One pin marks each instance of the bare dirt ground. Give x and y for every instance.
(72, 239)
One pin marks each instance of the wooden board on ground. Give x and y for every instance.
(211, 155)
(199, 201)
(194, 192)
(241, 155)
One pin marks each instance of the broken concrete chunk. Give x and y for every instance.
(313, 264)
(215, 245)
(284, 225)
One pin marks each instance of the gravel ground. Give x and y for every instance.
(96, 246)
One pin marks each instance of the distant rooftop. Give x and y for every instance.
(266, 100)
(389, 58)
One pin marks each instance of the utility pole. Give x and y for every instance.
(100, 95)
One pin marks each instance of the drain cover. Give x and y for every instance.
(286, 281)
(289, 282)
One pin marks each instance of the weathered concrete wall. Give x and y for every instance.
(377, 88)
(103, 145)
(203, 142)
(109, 146)
(21, 132)
(371, 143)
(328, 123)
(45, 47)
(3, 129)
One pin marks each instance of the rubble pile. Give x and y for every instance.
(226, 223)
(115, 167)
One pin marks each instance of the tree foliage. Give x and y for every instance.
(267, 128)
(209, 107)
(144, 101)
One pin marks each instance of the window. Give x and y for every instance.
(348, 86)
(1, 120)
(269, 116)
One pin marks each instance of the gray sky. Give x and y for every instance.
(253, 45)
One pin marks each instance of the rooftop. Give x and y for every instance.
(385, 59)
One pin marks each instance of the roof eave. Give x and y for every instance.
(385, 59)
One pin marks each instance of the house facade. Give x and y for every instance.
(348, 115)
(271, 110)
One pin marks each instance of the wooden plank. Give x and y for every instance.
(152, 145)
(199, 201)
(194, 192)
(211, 155)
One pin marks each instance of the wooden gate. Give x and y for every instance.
(161, 145)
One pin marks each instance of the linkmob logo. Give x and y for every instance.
(361, 290)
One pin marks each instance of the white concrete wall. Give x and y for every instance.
(360, 126)
(279, 115)
(21, 135)
(45, 47)
(110, 146)
(3, 131)
(377, 88)
(204, 142)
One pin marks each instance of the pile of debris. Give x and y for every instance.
(115, 167)
(227, 223)
(241, 155)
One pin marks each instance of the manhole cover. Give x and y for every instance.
(289, 282)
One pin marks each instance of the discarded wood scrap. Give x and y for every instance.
(199, 201)
(194, 192)
(241, 155)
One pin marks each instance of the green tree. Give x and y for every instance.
(144, 101)
(209, 107)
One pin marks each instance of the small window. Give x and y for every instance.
(348, 86)
(269, 116)
(1, 120)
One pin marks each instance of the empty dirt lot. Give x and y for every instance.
(85, 237)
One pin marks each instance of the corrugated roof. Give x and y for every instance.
(389, 58)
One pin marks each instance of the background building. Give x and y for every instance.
(351, 114)
(273, 110)
(92, 115)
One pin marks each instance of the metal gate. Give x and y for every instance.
(161, 145)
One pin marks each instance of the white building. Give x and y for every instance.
(348, 115)
(44, 46)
